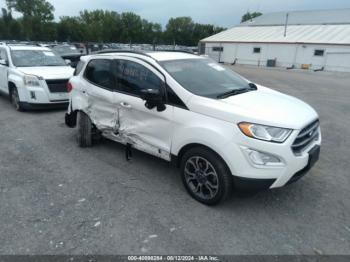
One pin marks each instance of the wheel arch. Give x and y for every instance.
(11, 85)
(188, 147)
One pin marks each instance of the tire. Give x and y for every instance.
(15, 101)
(84, 135)
(206, 176)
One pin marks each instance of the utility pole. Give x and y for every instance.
(286, 25)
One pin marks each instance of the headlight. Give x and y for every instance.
(266, 133)
(30, 80)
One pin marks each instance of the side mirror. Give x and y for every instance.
(4, 62)
(153, 98)
(68, 61)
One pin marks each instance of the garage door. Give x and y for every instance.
(338, 62)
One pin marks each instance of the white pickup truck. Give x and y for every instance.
(33, 77)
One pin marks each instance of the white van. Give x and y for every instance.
(223, 131)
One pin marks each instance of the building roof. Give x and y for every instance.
(317, 27)
(314, 17)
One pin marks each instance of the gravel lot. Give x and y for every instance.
(56, 198)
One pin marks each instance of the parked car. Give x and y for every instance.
(69, 53)
(223, 131)
(33, 76)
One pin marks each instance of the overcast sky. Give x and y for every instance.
(219, 12)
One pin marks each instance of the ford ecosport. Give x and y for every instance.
(223, 131)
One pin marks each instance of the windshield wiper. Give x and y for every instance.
(252, 87)
(233, 93)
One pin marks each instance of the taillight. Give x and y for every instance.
(69, 87)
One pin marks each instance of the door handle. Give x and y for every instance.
(125, 105)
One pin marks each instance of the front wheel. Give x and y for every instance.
(206, 176)
(15, 99)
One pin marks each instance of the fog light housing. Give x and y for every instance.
(263, 159)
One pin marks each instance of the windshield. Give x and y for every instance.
(31, 58)
(204, 77)
(62, 50)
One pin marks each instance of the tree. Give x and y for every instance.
(37, 24)
(6, 18)
(69, 29)
(37, 14)
(180, 30)
(131, 28)
(249, 16)
(202, 31)
(151, 32)
(33, 8)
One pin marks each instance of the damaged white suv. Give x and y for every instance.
(221, 130)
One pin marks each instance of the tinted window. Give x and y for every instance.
(256, 50)
(319, 52)
(173, 99)
(99, 72)
(218, 49)
(79, 67)
(133, 77)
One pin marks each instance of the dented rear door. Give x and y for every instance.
(100, 85)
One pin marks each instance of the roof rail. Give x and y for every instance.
(111, 51)
(144, 53)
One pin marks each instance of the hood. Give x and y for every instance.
(264, 106)
(49, 72)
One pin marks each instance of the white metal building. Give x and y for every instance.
(309, 39)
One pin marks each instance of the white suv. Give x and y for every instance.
(33, 76)
(221, 130)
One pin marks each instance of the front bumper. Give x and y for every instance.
(34, 106)
(255, 184)
(292, 167)
(41, 96)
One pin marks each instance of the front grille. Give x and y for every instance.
(306, 136)
(57, 86)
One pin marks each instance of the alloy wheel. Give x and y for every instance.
(201, 177)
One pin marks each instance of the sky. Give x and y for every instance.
(226, 13)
